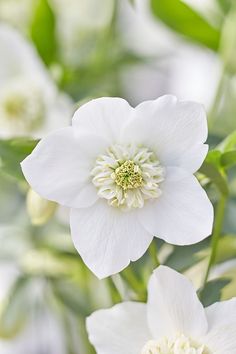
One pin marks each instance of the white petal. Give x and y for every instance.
(175, 130)
(59, 168)
(120, 330)
(173, 306)
(221, 337)
(107, 238)
(183, 214)
(103, 116)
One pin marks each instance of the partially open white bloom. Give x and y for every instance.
(172, 322)
(30, 103)
(127, 174)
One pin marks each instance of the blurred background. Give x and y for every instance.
(56, 55)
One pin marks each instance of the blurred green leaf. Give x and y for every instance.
(72, 297)
(184, 20)
(226, 248)
(228, 143)
(213, 157)
(225, 5)
(228, 159)
(212, 291)
(12, 152)
(43, 31)
(13, 310)
(215, 175)
(185, 257)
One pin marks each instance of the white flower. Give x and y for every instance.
(172, 322)
(30, 103)
(127, 174)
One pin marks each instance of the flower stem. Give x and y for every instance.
(114, 292)
(219, 218)
(153, 254)
(135, 284)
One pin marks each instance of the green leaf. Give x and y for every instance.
(184, 20)
(229, 143)
(212, 291)
(12, 152)
(226, 248)
(228, 159)
(225, 5)
(72, 297)
(43, 31)
(14, 309)
(216, 176)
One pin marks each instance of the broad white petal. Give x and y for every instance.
(221, 337)
(107, 238)
(59, 168)
(122, 329)
(175, 130)
(173, 306)
(103, 116)
(183, 214)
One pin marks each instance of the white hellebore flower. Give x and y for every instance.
(30, 103)
(172, 322)
(127, 174)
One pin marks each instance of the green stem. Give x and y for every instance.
(217, 99)
(114, 292)
(153, 254)
(219, 218)
(134, 283)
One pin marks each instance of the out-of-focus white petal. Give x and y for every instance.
(173, 306)
(172, 129)
(183, 214)
(107, 238)
(59, 168)
(221, 336)
(104, 116)
(18, 57)
(122, 329)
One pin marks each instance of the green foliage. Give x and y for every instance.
(212, 291)
(43, 31)
(13, 310)
(225, 5)
(184, 20)
(12, 153)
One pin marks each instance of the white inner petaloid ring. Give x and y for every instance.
(128, 175)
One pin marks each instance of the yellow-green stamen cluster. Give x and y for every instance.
(128, 175)
(178, 345)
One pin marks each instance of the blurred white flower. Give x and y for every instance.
(16, 12)
(78, 24)
(171, 59)
(127, 174)
(30, 103)
(173, 322)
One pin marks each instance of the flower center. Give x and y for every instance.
(22, 106)
(127, 176)
(178, 345)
